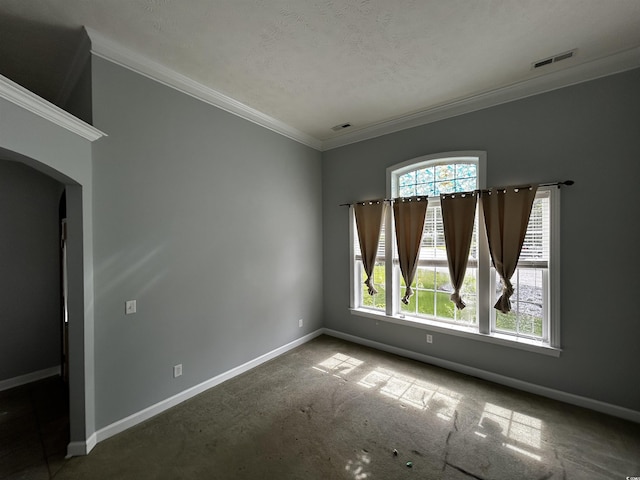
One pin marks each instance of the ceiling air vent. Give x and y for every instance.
(342, 126)
(556, 58)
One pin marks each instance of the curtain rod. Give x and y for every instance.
(551, 184)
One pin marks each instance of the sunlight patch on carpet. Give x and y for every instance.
(516, 431)
(413, 392)
(357, 467)
(338, 365)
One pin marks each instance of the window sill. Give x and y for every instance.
(460, 331)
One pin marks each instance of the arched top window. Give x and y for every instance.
(433, 175)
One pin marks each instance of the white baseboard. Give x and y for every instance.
(77, 449)
(29, 377)
(603, 407)
(147, 413)
(83, 448)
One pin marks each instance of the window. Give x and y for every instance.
(530, 302)
(363, 299)
(533, 321)
(432, 285)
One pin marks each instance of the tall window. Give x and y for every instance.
(530, 302)
(363, 299)
(534, 314)
(432, 285)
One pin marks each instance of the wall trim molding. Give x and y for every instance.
(577, 400)
(78, 449)
(23, 98)
(114, 52)
(81, 448)
(29, 377)
(579, 73)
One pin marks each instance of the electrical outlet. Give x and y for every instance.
(300, 322)
(177, 371)
(429, 338)
(130, 307)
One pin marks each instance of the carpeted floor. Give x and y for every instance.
(335, 410)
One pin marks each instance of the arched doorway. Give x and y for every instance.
(40, 135)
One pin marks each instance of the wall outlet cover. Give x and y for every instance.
(130, 307)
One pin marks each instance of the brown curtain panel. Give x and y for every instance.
(506, 214)
(409, 214)
(369, 216)
(458, 216)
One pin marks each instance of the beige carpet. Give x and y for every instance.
(335, 410)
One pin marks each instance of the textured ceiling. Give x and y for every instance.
(313, 64)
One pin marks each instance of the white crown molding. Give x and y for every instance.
(76, 68)
(23, 98)
(612, 64)
(105, 48)
(120, 55)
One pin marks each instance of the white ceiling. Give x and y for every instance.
(313, 64)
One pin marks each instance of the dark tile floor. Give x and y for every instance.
(34, 430)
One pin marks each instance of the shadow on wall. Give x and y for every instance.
(43, 58)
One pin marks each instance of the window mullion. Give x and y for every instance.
(554, 270)
(485, 281)
(390, 272)
(545, 303)
(352, 255)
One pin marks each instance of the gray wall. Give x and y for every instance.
(79, 101)
(214, 226)
(588, 133)
(30, 266)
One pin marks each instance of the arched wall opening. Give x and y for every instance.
(76, 308)
(53, 142)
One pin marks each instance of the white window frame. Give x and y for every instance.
(485, 330)
(356, 269)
